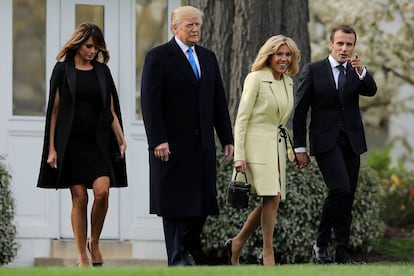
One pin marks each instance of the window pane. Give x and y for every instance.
(90, 13)
(29, 57)
(151, 30)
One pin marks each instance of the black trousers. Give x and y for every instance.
(182, 238)
(340, 170)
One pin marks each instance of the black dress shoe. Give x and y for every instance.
(321, 255)
(189, 260)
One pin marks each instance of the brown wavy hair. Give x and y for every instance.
(82, 33)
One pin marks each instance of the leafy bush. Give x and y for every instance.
(379, 160)
(398, 198)
(8, 245)
(297, 218)
(397, 185)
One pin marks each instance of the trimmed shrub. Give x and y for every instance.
(298, 216)
(8, 244)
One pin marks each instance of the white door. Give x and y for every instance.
(105, 14)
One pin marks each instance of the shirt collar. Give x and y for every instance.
(182, 46)
(335, 63)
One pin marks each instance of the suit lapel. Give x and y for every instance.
(332, 80)
(331, 75)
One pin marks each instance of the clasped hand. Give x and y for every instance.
(302, 160)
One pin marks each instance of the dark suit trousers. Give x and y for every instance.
(182, 237)
(340, 169)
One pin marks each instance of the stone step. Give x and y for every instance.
(115, 253)
(72, 262)
(110, 249)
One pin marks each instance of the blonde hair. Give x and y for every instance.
(185, 12)
(81, 34)
(271, 47)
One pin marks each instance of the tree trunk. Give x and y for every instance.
(236, 29)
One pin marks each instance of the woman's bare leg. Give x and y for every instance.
(268, 218)
(250, 225)
(79, 221)
(99, 209)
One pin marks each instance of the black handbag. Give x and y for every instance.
(238, 193)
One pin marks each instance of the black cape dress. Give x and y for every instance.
(82, 155)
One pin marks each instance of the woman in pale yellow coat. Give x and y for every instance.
(260, 150)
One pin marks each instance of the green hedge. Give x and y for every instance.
(8, 244)
(297, 217)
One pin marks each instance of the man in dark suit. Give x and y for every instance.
(183, 104)
(331, 89)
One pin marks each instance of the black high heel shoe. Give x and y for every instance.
(227, 246)
(260, 259)
(93, 264)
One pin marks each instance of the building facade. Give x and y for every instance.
(32, 33)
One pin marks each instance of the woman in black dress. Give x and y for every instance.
(83, 123)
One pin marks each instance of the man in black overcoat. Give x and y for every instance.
(183, 105)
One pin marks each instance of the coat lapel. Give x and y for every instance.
(181, 61)
(269, 78)
(70, 72)
(71, 77)
(100, 74)
(203, 64)
(288, 93)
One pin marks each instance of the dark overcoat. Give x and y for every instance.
(64, 78)
(183, 111)
(317, 91)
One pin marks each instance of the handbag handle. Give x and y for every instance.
(284, 133)
(245, 177)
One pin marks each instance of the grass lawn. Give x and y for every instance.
(285, 270)
(390, 257)
(394, 250)
(401, 249)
